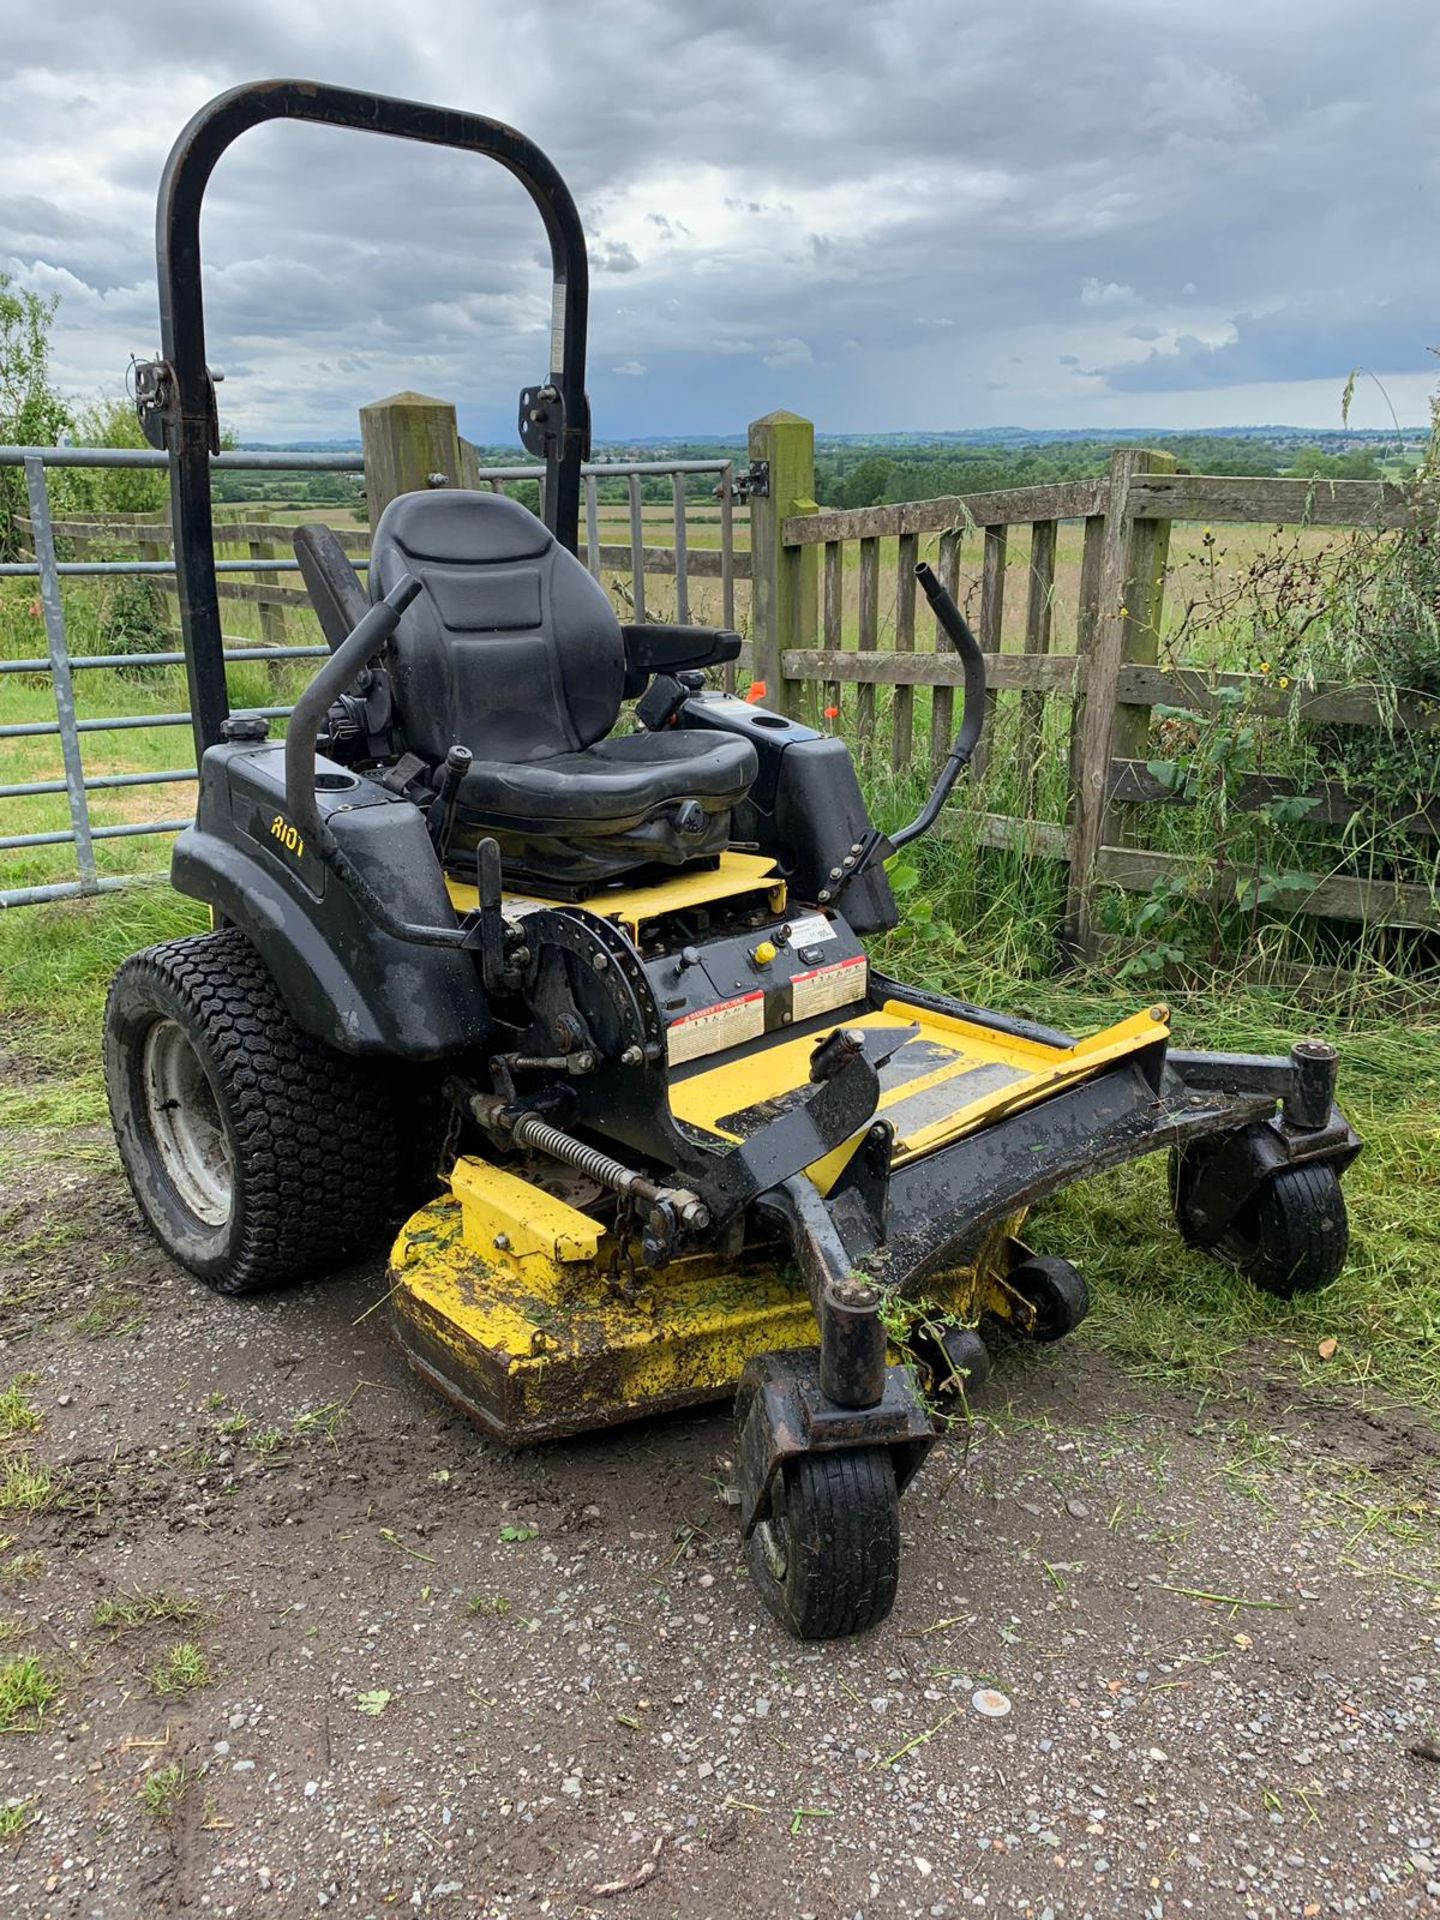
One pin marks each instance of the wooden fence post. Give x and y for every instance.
(784, 591)
(1129, 598)
(272, 617)
(990, 636)
(1039, 608)
(161, 547)
(407, 441)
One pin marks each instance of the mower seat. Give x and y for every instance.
(513, 650)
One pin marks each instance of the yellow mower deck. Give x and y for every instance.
(952, 1078)
(514, 1304)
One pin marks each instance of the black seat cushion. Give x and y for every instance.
(617, 780)
(635, 799)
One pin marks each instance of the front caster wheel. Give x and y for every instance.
(827, 1559)
(962, 1361)
(1290, 1237)
(1054, 1291)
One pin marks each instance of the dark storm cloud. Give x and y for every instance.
(887, 215)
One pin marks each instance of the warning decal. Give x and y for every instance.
(712, 1029)
(824, 989)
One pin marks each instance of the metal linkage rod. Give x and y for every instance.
(529, 1131)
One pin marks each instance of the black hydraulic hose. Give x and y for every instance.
(972, 720)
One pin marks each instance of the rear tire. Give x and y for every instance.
(827, 1560)
(254, 1153)
(1292, 1235)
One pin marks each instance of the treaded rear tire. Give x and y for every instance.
(311, 1135)
(840, 1539)
(1291, 1237)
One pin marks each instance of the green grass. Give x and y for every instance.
(56, 965)
(17, 1412)
(15, 1818)
(138, 1609)
(183, 1670)
(113, 1311)
(164, 1790)
(487, 1603)
(25, 1488)
(26, 1690)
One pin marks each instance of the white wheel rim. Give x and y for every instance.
(184, 1121)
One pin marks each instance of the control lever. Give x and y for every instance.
(495, 972)
(441, 818)
(361, 645)
(874, 845)
(660, 705)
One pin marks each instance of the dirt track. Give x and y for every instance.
(581, 1689)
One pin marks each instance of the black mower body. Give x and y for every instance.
(346, 980)
(355, 986)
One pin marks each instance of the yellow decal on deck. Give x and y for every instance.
(289, 838)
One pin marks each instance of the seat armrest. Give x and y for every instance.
(661, 648)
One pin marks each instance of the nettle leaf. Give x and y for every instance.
(1141, 966)
(1170, 774)
(1154, 913)
(374, 1702)
(1288, 810)
(904, 877)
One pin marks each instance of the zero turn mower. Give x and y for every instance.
(596, 999)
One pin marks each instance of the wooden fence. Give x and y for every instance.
(1110, 671)
(88, 536)
(833, 618)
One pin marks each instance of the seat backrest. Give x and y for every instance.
(512, 649)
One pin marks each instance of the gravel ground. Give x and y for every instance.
(447, 1679)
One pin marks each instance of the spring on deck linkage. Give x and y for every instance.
(530, 1131)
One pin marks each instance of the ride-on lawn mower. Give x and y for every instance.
(597, 1000)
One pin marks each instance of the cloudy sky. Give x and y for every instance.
(886, 214)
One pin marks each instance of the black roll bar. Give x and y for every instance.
(187, 404)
